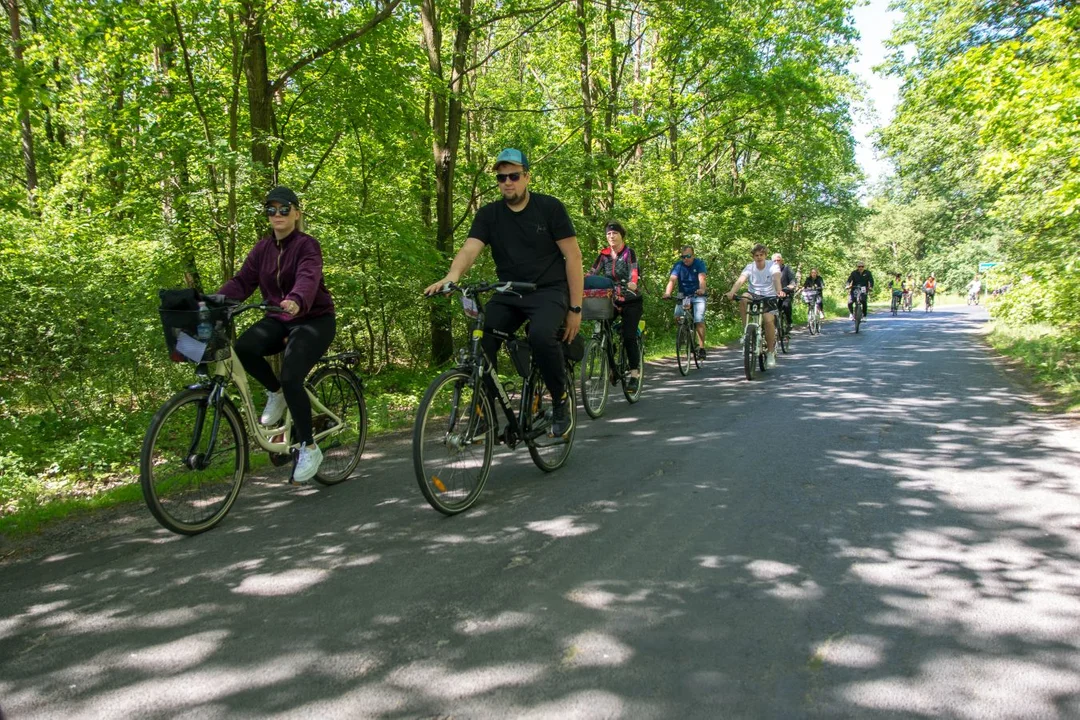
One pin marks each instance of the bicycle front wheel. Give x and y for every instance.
(453, 439)
(858, 316)
(594, 377)
(682, 348)
(782, 329)
(188, 485)
(547, 452)
(749, 351)
(633, 397)
(338, 390)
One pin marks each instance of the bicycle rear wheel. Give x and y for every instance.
(188, 488)
(339, 391)
(749, 351)
(594, 377)
(682, 348)
(547, 452)
(453, 439)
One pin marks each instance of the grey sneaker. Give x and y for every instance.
(275, 408)
(770, 360)
(307, 464)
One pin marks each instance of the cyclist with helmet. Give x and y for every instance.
(618, 262)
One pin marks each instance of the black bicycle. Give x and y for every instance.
(783, 325)
(606, 363)
(897, 301)
(457, 427)
(856, 298)
(687, 348)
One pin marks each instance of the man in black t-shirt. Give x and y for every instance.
(859, 277)
(532, 240)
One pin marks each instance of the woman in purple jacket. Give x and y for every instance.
(287, 268)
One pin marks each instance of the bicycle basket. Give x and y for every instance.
(597, 305)
(810, 296)
(521, 354)
(180, 325)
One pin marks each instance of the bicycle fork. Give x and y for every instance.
(194, 460)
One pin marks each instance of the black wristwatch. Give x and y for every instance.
(575, 309)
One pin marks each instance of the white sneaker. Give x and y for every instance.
(307, 464)
(275, 408)
(770, 360)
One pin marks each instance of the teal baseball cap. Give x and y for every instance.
(512, 155)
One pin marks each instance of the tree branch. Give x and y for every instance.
(336, 45)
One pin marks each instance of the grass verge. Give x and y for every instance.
(1051, 356)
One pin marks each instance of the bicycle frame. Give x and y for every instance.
(481, 368)
(229, 371)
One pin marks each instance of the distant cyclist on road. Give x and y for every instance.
(532, 240)
(618, 262)
(974, 288)
(930, 288)
(814, 281)
(764, 279)
(787, 284)
(689, 272)
(859, 277)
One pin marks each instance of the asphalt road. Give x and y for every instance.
(881, 527)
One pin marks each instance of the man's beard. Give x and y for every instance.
(516, 198)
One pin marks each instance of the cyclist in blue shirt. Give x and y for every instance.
(689, 272)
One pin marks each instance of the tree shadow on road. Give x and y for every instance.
(879, 528)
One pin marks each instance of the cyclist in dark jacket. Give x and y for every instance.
(287, 268)
(618, 262)
(859, 277)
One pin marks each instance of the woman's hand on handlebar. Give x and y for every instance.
(290, 307)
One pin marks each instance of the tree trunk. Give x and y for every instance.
(26, 129)
(588, 178)
(260, 106)
(446, 116)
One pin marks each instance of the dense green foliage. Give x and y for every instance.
(986, 145)
(137, 138)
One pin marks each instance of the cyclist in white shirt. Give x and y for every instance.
(764, 278)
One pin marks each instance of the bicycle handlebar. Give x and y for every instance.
(476, 288)
(680, 298)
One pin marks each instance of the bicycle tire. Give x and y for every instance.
(858, 315)
(549, 454)
(594, 377)
(895, 307)
(683, 348)
(633, 397)
(192, 489)
(442, 482)
(810, 313)
(344, 397)
(749, 352)
(782, 332)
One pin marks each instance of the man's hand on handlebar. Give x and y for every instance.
(699, 291)
(439, 287)
(730, 295)
(290, 307)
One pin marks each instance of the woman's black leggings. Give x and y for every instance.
(631, 316)
(309, 340)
